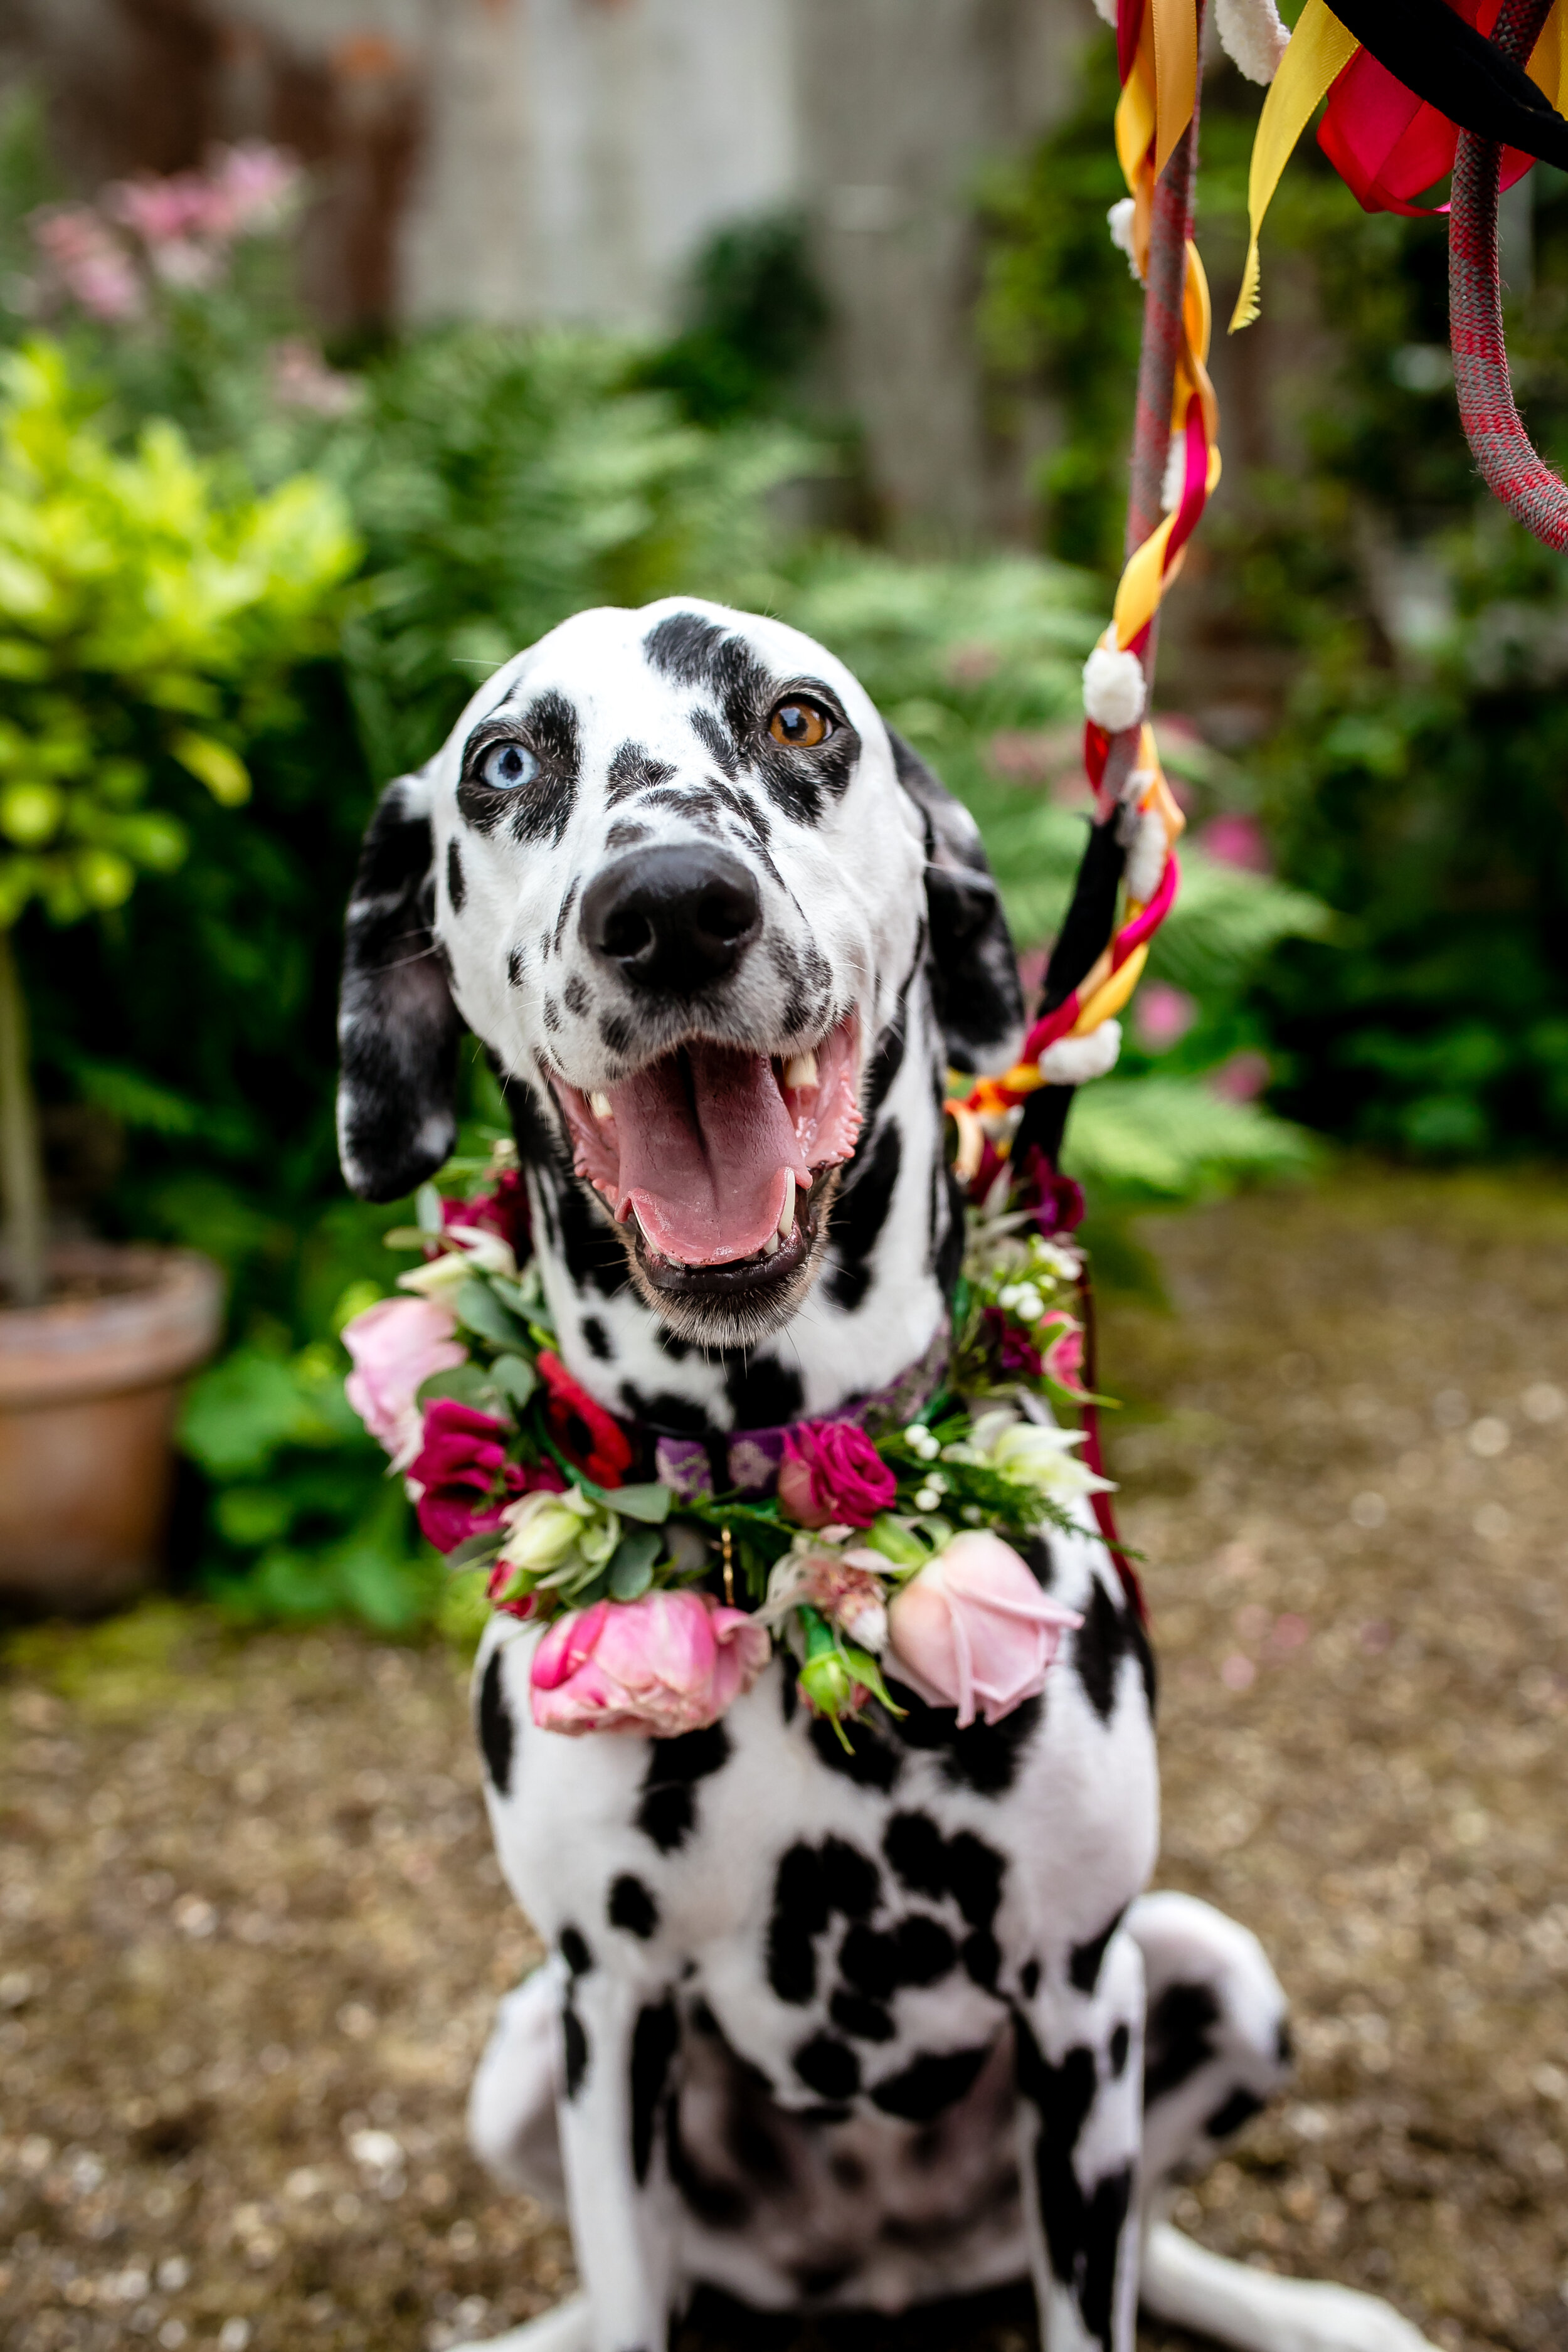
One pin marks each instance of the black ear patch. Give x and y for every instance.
(397, 1026)
(978, 1000)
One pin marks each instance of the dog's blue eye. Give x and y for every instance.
(506, 766)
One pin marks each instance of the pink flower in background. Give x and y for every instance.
(669, 1662)
(88, 261)
(973, 1630)
(833, 1475)
(456, 1469)
(1236, 840)
(302, 379)
(252, 188)
(1162, 1015)
(396, 1344)
(1242, 1078)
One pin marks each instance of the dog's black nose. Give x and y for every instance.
(673, 918)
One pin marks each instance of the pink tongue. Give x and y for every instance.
(705, 1141)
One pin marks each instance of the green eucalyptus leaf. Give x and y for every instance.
(427, 1209)
(474, 1549)
(631, 1563)
(516, 1378)
(651, 1504)
(469, 1384)
(477, 1307)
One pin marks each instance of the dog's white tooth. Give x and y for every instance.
(786, 1214)
(800, 1070)
(771, 1246)
(599, 1105)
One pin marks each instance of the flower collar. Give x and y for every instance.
(888, 1541)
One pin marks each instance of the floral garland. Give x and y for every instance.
(894, 1551)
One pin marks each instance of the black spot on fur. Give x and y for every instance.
(598, 1339)
(862, 2020)
(932, 2082)
(574, 2043)
(982, 1959)
(870, 1760)
(593, 1255)
(1180, 2038)
(1083, 2233)
(789, 1694)
(616, 1031)
(1029, 1978)
(667, 1415)
(711, 733)
(983, 1756)
(633, 1907)
(815, 2280)
(858, 1216)
(1084, 1962)
(668, 1808)
(918, 1952)
(1121, 2042)
(1238, 2109)
(1108, 1633)
(633, 770)
(963, 1866)
(569, 899)
(1284, 2043)
(456, 886)
(498, 1734)
(799, 1915)
(576, 994)
(515, 964)
(654, 2038)
(574, 1951)
(848, 2170)
(552, 1015)
(947, 1260)
(851, 1882)
(889, 1059)
(762, 1392)
(623, 834)
(829, 2067)
(685, 648)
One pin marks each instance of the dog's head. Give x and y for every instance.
(675, 873)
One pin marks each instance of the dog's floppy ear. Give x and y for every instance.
(978, 998)
(397, 1026)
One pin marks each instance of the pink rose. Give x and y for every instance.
(457, 1470)
(973, 1630)
(396, 1344)
(1063, 1360)
(669, 1662)
(833, 1476)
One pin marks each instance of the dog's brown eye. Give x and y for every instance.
(801, 725)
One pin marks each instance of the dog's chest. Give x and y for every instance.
(854, 1923)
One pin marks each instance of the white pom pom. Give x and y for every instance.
(1118, 219)
(1146, 857)
(1073, 1061)
(1252, 37)
(1106, 11)
(1113, 689)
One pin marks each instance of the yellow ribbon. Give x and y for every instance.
(1319, 50)
(1175, 73)
(1548, 66)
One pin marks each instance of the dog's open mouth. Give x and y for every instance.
(712, 1153)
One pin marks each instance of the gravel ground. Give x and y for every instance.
(253, 1932)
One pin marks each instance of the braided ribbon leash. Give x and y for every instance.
(1097, 961)
(1509, 462)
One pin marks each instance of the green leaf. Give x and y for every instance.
(468, 1384)
(631, 1563)
(427, 1209)
(472, 1549)
(212, 763)
(477, 1307)
(516, 1378)
(650, 1504)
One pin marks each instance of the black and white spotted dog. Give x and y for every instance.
(818, 2029)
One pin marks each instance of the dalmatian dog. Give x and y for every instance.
(820, 2028)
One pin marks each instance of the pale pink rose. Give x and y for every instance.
(669, 1662)
(973, 1630)
(396, 1344)
(1236, 840)
(1243, 1077)
(847, 1587)
(1163, 1015)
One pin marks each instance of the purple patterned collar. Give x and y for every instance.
(747, 1461)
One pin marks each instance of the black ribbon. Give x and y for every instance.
(1455, 68)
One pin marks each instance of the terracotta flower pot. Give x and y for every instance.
(88, 1385)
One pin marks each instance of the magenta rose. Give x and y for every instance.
(832, 1475)
(456, 1471)
(669, 1662)
(503, 1210)
(973, 1630)
(1064, 1355)
(1009, 1345)
(396, 1344)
